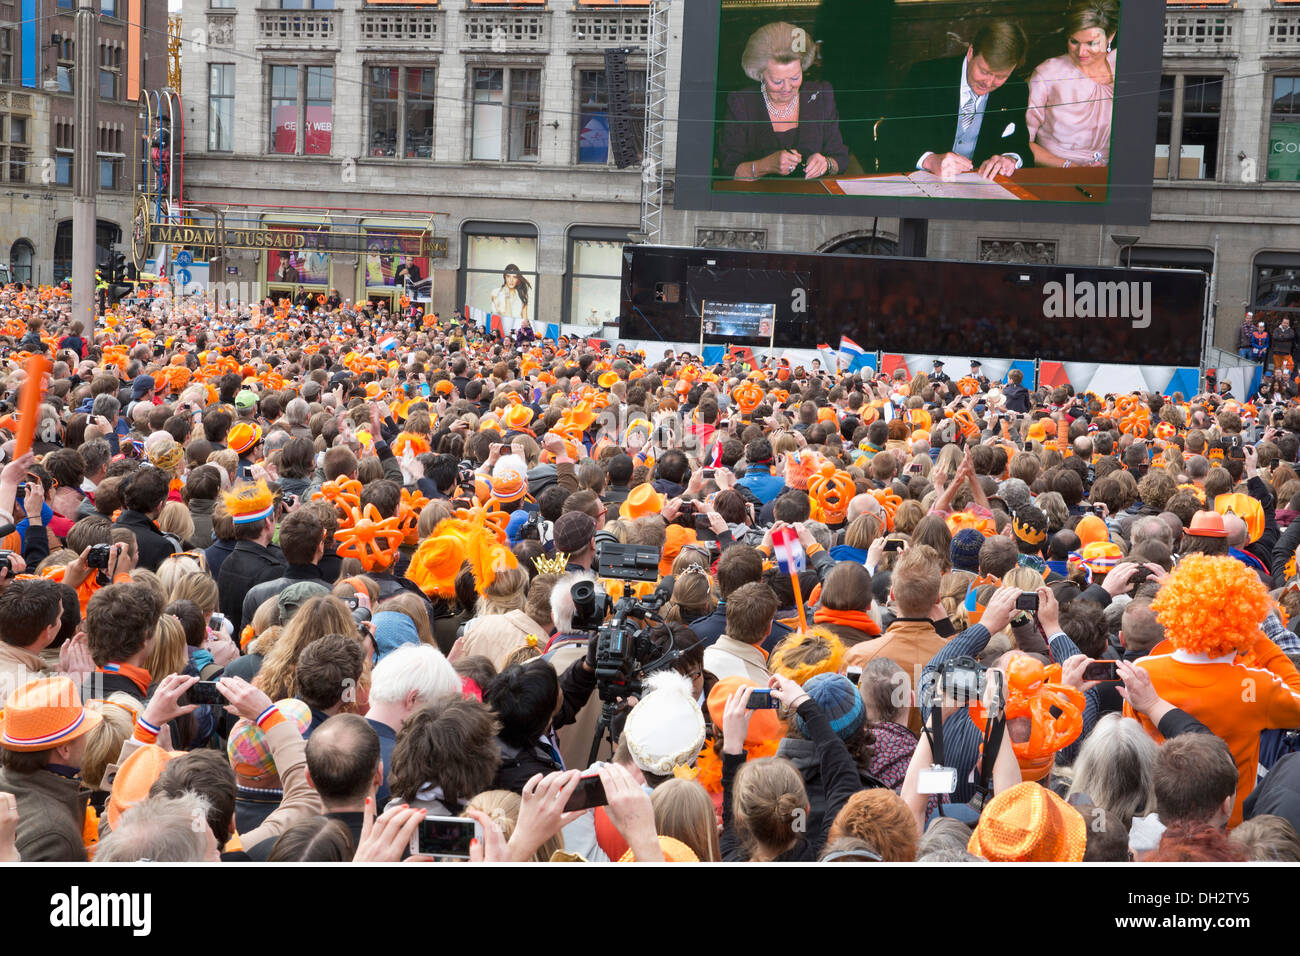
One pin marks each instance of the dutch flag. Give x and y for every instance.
(787, 550)
(387, 343)
(850, 347)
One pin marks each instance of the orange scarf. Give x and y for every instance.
(858, 620)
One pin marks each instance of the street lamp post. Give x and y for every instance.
(87, 170)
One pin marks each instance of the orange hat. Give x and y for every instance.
(964, 519)
(250, 503)
(509, 485)
(607, 379)
(1207, 524)
(443, 387)
(1247, 509)
(243, 436)
(802, 673)
(1037, 431)
(437, 560)
(674, 850)
(1101, 556)
(371, 539)
(1029, 824)
(1090, 529)
(830, 492)
(44, 714)
(517, 417)
(641, 501)
(417, 443)
(763, 725)
(676, 538)
(134, 779)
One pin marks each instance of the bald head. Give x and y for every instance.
(864, 505)
(1151, 528)
(1083, 446)
(1237, 532)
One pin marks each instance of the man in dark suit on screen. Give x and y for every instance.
(964, 113)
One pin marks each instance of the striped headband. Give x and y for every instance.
(44, 738)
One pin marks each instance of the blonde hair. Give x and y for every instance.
(952, 596)
(1027, 579)
(684, 811)
(782, 42)
(693, 597)
(227, 461)
(503, 807)
(104, 743)
(176, 519)
(318, 616)
(506, 593)
(174, 568)
(197, 586)
(168, 654)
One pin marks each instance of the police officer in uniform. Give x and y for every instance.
(938, 376)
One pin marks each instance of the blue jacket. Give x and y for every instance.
(764, 485)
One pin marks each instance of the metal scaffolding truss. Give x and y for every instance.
(656, 108)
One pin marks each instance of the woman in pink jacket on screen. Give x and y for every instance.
(1071, 97)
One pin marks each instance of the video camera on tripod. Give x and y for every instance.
(626, 653)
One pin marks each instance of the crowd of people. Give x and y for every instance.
(336, 584)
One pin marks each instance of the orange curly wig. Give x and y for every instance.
(1212, 605)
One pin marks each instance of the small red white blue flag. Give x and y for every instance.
(387, 343)
(788, 551)
(851, 347)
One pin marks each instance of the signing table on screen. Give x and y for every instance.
(1042, 184)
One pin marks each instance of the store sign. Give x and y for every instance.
(323, 239)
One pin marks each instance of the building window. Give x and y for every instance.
(67, 4)
(108, 8)
(6, 56)
(222, 4)
(66, 56)
(1187, 127)
(1284, 131)
(401, 111)
(507, 114)
(302, 99)
(284, 109)
(19, 160)
(110, 66)
(320, 110)
(221, 107)
(108, 172)
(305, 4)
(594, 143)
(63, 169)
(501, 270)
(595, 275)
(1277, 287)
(21, 254)
(18, 129)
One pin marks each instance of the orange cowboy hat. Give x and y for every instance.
(608, 379)
(517, 417)
(641, 501)
(44, 714)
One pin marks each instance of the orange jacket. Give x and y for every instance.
(1234, 699)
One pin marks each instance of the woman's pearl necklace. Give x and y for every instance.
(782, 113)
